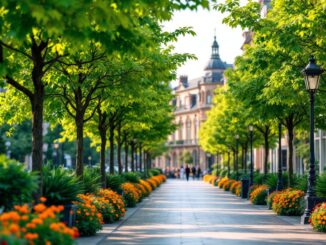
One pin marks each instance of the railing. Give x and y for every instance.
(183, 142)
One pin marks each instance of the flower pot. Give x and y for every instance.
(69, 214)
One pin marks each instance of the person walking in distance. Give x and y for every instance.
(182, 172)
(198, 172)
(193, 170)
(187, 172)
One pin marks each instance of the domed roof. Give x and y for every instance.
(215, 61)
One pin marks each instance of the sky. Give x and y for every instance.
(204, 23)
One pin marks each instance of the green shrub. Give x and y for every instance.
(300, 182)
(114, 182)
(131, 177)
(259, 194)
(60, 187)
(155, 171)
(16, 184)
(321, 185)
(91, 180)
(223, 173)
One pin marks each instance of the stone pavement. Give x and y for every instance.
(196, 213)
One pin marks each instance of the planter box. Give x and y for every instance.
(244, 188)
(69, 214)
(311, 202)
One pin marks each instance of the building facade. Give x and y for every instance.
(193, 99)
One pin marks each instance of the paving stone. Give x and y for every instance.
(195, 213)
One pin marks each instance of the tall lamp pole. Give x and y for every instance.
(279, 186)
(251, 179)
(312, 73)
(236, 156)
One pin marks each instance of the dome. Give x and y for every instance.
(215, 61)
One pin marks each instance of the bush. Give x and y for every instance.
(114, 182)
(130, 194)
(259, 194)
(88, 219)
(16, 184)
(146, 185)
(131, 177)
(38, 226)
(289, 202)
(318, 217)
(300, 182)
(154, 171)
(321, 185)
(234, 187)
(222, 182)
(270, 197)
(105, 207)
(91, 180)
(116, 201)
(227, 184)
(223, 172)
(60, 186)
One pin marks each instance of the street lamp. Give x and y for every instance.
(279, 186)
(90, 160)
(312, 73)
(56, 147)
(251, 181)
(236, 155)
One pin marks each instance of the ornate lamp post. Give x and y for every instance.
(312, 74)
(251, 179)
(236, 156)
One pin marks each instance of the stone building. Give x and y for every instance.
(193, 98)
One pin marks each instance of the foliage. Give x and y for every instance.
(186, 157)
(318, 217)
(60, 186)
(321, 185)
(116, 201)
(131, 194)
(16, 184)
(289, 202)
(234, 188)
(114, 182)
(228, 184)
(38, 226)
(91, 180)
(270, 198)
(88, 219)
(131, 177)
(104, 207)
(222, 182)
(258, 195)
(147, 186)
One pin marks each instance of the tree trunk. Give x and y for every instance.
(111, 139)
(119, 149)
(245, 158)
(37, 137)
(126, 155)
(266, 146)
(102, 157)
(140, 158)
(290, 129)
(79, 144)
(132, 157)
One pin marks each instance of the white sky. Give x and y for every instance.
(204, 23)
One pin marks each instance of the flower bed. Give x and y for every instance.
(222, 182)
(318, 217)
(289, 202)
(130, 194)
(147, 186)
(88, 219)
(235, 188)
(259, 194)
(116, 201)
(42, 226)
(227, 184)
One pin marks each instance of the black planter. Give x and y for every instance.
(244, 188)
(69, 214)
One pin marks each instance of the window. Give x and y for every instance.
(180, 131)
(188, 129)
(208, 98)
(284, 159)
(193, 100)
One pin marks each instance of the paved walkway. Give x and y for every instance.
(196, 213)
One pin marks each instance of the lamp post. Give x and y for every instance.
(279, 186)
(312, 73)
(228, 162)
(208, 157)
(56, 147)
(236, 156)
(90, 160)
(251, 180)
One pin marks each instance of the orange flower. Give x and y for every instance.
(39, 208)
(14, 228)
(31, 236)
(43, 199)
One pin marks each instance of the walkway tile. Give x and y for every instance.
(195, 213)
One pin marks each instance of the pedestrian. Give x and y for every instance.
(182, 172)
(193, 170)
(187, 172)
(198, 172)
